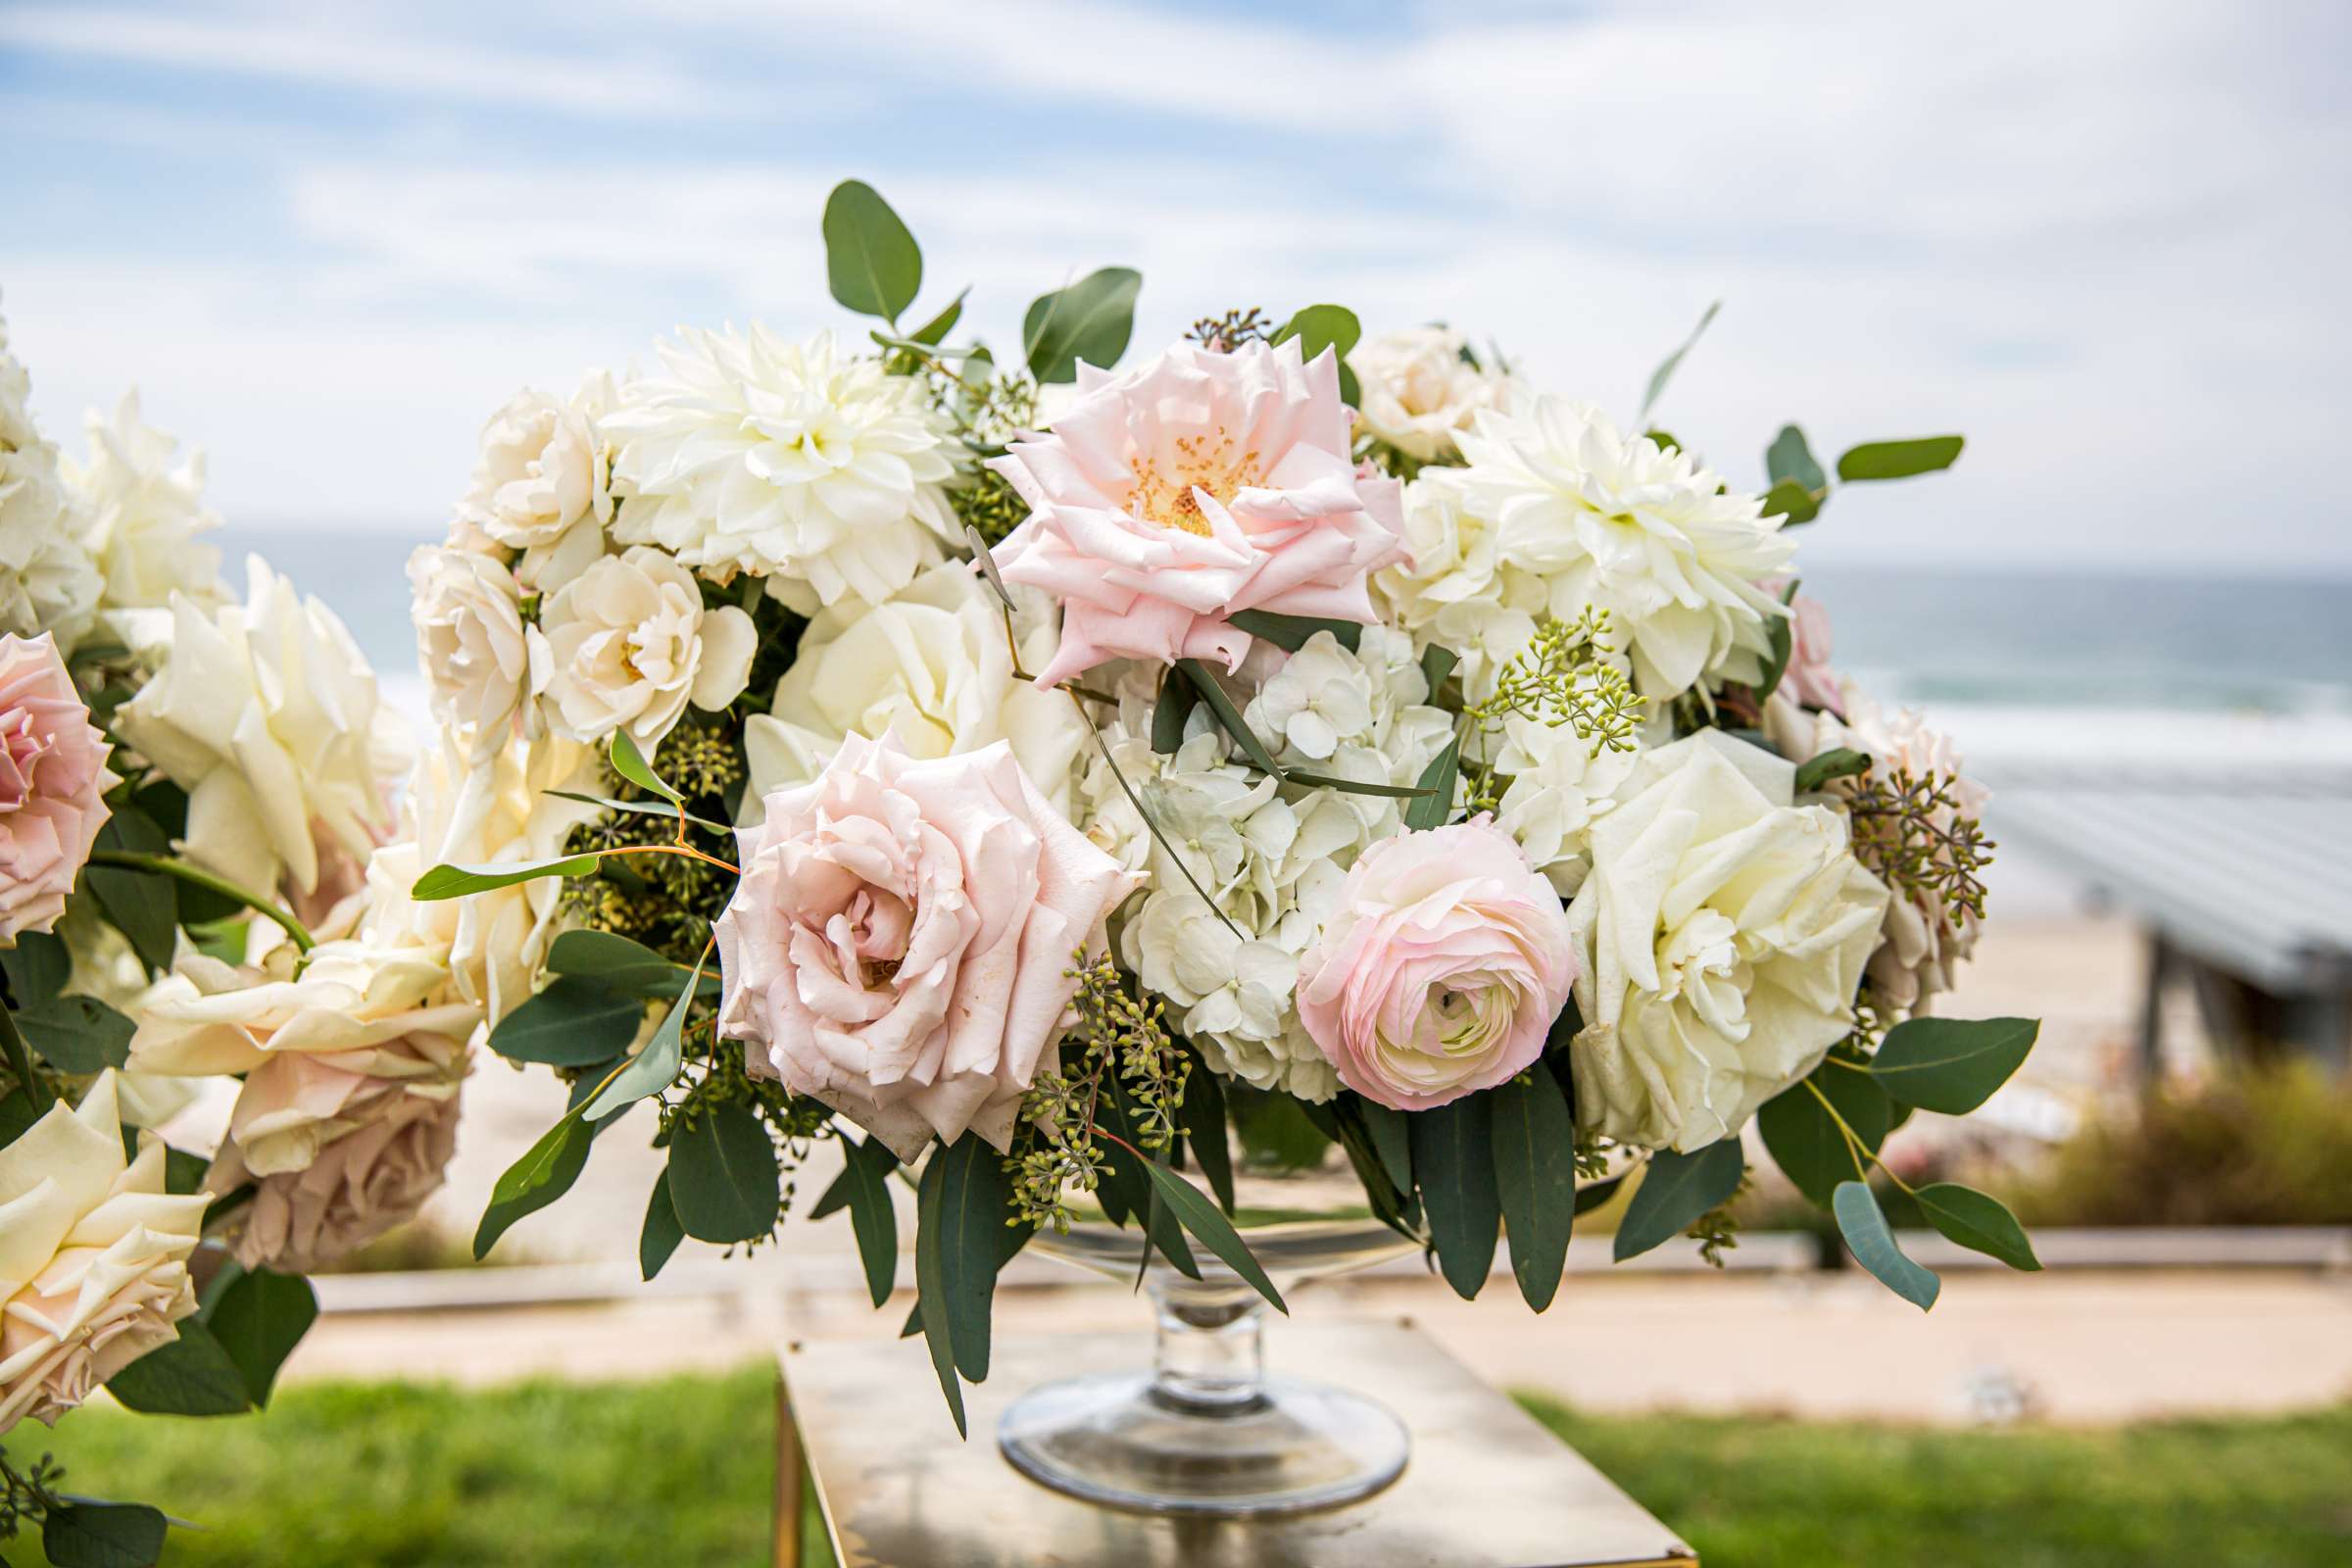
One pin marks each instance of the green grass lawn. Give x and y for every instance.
(678, 1472)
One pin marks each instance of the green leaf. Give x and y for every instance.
(661, 809)
(1453, 1161)
(1788, 458)
(1978, 1221)
(258, 1319)
(1535, 1175)
(1951, 1065)
(104, 1535)
(1213, 1229)
(1326, 326)
(930, 334)
(39, 967)
(145, 905)
(544, 1173)
(871, 260)
(575, 1022)
(1357, 786)
(964, 1198)
(1806, 1143)
(661, 1233)
(722, 1175)
(1290, 632)
(78, 1034)
(1437, 664)
(1092, 320)
(1228, 718)
(655, 1067)
(1392, 1135)
(193, 1375)
(1898, 459)
(631, 763)
(874, 1219)
(1203, 1117)
(931, 1243)
(1588, 1199)
(1177, 700)
(456, 881)
(1664, 439)
(1864, 1226)
(1673, 362)
(1841, 762)
(622, 964)
(1440, 778)
(1675, 1191)
(1791, 502)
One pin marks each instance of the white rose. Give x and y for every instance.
(48, 582)
(93, 1257)
(630, 645)
(1418, 390)
(140, 515)
(470, 641)
(1723, 932)
(929, 666)
(489, 812)
(543, 484)
(265, 712)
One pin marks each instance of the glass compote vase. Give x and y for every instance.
(1206, 1430)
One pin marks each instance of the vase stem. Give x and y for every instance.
(1210, 1358)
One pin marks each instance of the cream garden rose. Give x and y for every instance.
(48, 582)
(1420, 389)
(630, 644)
(1723, 931)
(931, 669)
(53, 783)
(542, 485)
(477, 659)
(141, 516)
(901, 942)
(347, 1115)
(93, 1257)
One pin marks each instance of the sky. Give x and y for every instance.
(2106, 242)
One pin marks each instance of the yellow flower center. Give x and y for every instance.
(1205, 462)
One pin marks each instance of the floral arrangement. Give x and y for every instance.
(193, 789)
(1065, 764)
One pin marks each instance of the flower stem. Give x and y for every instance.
(164, 865)
(1854, 1146)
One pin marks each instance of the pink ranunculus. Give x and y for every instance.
(901, 944)
(1809, 677)
(53, 781)
(1441, 969)
(1191, 487)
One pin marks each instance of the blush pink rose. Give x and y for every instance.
(900, 946)
(53, 779)
(355, 1187)
(1809, 677)
(1441, 969)
(1198, 484)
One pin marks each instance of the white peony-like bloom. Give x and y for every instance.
(483, 812)
(542, 484)
(1420, 389)
(1559, 787)
(1723, 931)
(793, 461)
(93, 1257)
(265, 712)
(630, 644)
(1624, 525)
(1455, 590)
(48, 582)
(141, 514)
(470, 640)
(930, 668)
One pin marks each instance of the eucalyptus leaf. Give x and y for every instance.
(87, 1534)
(1326, 326)
(1951, 1065)
(1978, 1221)
(1677, 1190)
(1290, 632)
(193, 1375)
(145, 905)
(661, 809)
(1790, 459)
(1437, 664)
(1841, 762)
(1392, 1135)
(1534, 1176)
(1863, 1224)
(1228, 718)
(1899, 460)
(622, 964)
(722, 1175)
(873, 1218)
(962, 1203)
(1203, 1117)
(1440, 778)
(1593, 1196)
(1176, 702)
(456, 881)
(655, 1067)
(633, 764)
(1092, 320)
(932, 332)
(77, 1034)
(1791, 502)
(37, 968)
(1453, 1164)
(931, 1272)
(871, 260)
(1673, 362)
(258, 1319)
(659, 1237)
(575, 1022)
(1806, 1143)
(544, 1173)
(1215, 1232)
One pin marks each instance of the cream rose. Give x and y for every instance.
(1724, 931)
(141, 516)
(931, 669)
(470, 641)
(900, 946)
(93, 1257)
(1419, 389)
(53, 781)
(1442, 969)
(265, 712)
(629, 644)
(542, 484)
(48, 582)
(360, 1046)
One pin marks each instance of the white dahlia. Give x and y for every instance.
(812, 468)
(1639, 530)
(140, 513)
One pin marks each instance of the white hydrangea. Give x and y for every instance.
(1553, 491)
(47, 579)
(793, 461)
(140, 513)
(1559, 787)
(1269, 858)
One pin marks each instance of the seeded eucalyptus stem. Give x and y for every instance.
(164, 865)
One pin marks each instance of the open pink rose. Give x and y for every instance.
(901, 944)
(1809, 679)
(355, 1187)
(1441, 969)
(1193, 486)
(53, 778)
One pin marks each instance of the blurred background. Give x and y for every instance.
(2105, 241)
